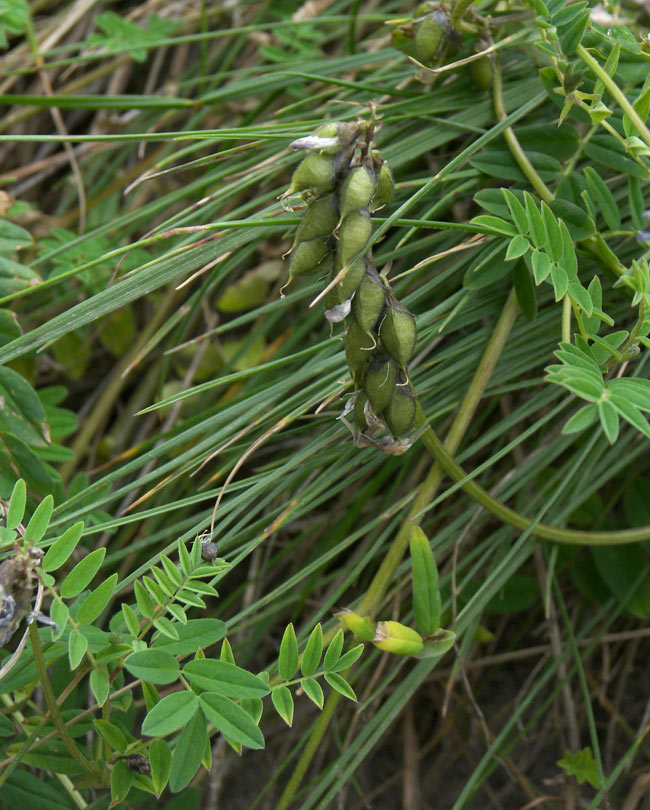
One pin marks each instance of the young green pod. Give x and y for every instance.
(369, 300)
(402, 39)
(428, 37)
(345, 288)
(357, 190)
(354, 232)
(359, 412)
(379, 383)
(385, 187)
(397, 333)
(358, 351)
(320, 219)
(308, 257)
(316, 172)
(400, 412)
(362, 628)
(480, 72)
(397, 638)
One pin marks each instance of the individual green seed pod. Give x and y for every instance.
(400, 412)
(357, 190)
(361, 627)
(428, 37)
(397, 333)
(308, 257)
(358, 351)
(379, 383)
(358, 412)
(353, 277)
(320, 219)
(316, 172)
(480, 72)
(354, 232)
(385, 187)
(369, 300)
(397, 638)
(402, 39)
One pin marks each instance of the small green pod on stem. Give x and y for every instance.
(428, 36)
(397, 638)
(357, 190)
(398, 333)
(309, 257)
(379, 383)
(369, 299)
(358, 351)
(319, 219)
(399, 414)
(353, 234)
(385, 187)
(315, 173)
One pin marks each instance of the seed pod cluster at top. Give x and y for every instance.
(342, 182)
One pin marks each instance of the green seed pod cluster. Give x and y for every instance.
(342, 186)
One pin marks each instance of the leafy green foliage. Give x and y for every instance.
(581, 765)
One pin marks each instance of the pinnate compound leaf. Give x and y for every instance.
(155, 666)
(166, 627)
(339, 683)
(560, 281)
(288, 658)
(188, 753)
(231, 720)
(334, 650)
(196, 633)
(347, 659)
(603, 198)
(495, 224)
(121, 780)
(82, 573)
(99, 684)
(16, 508)
(169, 714)
(525, 290)
(541, 265)
(59, 552)
(96, 601)
(283, 703)
(39, 521)
(224, 678)
(113, 735)
(313, 691)
(160, 760)
(535, 221)
(609, 420)
(518, 247)
(581, 419)
(313, 651)
(517, 211)
(77, 646)
(631, 414)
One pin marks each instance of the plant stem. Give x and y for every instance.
(459, 9)
(512, 518)
(374, 595)
(513, 143)
(91, 770)
(616, 91)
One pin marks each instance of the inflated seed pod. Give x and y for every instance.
(358, 351)
(385, 187)
(480, 72)
(400, 412)
(354, 232)
(308, 257)
(320, 219)
(362, 627)
(369, 300)
(358, 412)
(402, 39)
(397, 333)
(397, 638)
(379, 383)
(316, 172)
(428, 37)
(357, 190)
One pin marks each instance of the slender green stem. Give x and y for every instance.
(374, 595)
(509, 516)
(91, 770)
(616, 91)
(459, 9)
(513, 143)
(566, 319)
